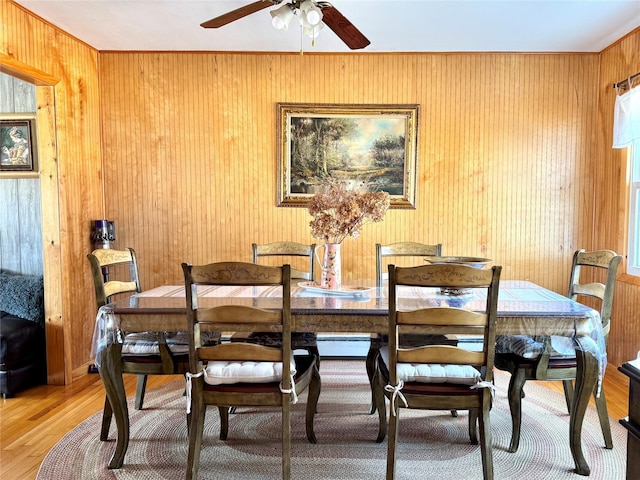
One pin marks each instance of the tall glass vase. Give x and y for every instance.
(331, 266)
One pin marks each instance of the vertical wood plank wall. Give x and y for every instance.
(505, 154)
(70, 163)
(618, 62)
(507, 157)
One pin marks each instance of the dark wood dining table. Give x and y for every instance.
(523, 309)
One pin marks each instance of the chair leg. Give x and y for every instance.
(485, 441)
(603, 415)
(314, 352)
(380, 406)
(568, 393)
(140, 389)
(473, 422)
(312, 404)
(224, 422)
(107, 413)
(286, 438)
(391, 444)
(516, 386)
(195, 440)
(370, 364)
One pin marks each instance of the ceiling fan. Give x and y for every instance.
(330, 16)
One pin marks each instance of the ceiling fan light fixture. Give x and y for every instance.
(310, 13)
(281, 17)
(312, 16)
(312, 32)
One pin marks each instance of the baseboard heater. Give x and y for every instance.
(343, 345)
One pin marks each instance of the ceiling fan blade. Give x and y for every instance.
(342, 27)
(238, 13)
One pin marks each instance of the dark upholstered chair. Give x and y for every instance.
(23, 361)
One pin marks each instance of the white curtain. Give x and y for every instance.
(626, 121)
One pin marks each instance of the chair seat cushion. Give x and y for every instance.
(274, 339)
(410, 340)
(228, 372)
(510, 362)
(521, 345)
(146, 343)
(304, 368)
(532, 347)
(434, 373)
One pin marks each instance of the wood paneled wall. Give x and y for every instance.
(65, 72)
(504, 154)
(508, 151)
(618, 62)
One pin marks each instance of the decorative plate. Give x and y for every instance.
(346, 290)
(476, 262)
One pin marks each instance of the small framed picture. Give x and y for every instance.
(17, 144)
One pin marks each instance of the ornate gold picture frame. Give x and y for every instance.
(371, 147)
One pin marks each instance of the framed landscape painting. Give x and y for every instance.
(17, 144)
(367, 147)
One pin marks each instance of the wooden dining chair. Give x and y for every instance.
(238, 373)
(593, 275)
(115, 273)
(408, 253)
(438, 377)
(289, 252)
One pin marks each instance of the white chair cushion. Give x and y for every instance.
(434, 373)
(224, 373)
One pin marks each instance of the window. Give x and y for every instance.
(626, 134)
(633, 249)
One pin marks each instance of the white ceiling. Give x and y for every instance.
(391, 26)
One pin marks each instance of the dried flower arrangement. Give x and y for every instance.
(339, 213)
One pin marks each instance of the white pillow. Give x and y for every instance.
(224, 373)
(434, 373)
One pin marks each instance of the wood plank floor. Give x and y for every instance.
(35, 420)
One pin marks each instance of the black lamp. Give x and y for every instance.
(104, 232)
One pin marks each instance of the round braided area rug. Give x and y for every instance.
(431, 445)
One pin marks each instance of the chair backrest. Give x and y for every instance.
(402, 249)
(238, 314)
(441, 319)
(290, 250)
(606, 261)
(107, 262)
